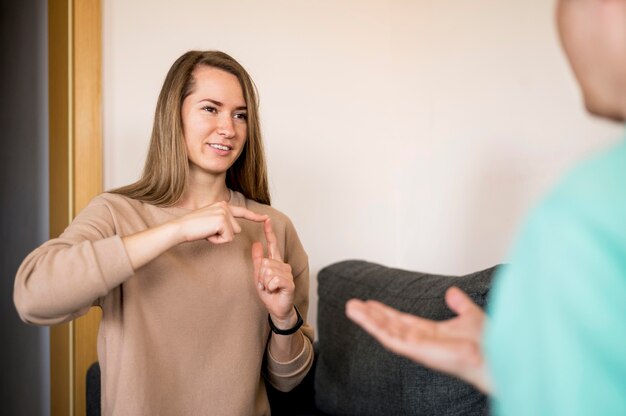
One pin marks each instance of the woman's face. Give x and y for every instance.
(214, 118)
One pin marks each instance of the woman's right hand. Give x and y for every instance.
(217, 223)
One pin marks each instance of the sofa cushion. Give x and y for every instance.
(355, 375)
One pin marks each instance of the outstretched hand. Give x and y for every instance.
(274, 280)
(452, 346)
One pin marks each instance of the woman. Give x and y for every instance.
(195, 317)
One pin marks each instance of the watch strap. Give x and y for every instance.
(288, 331)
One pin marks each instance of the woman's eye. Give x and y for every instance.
(241, 116)
(209, 109)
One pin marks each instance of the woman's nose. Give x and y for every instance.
(226, 127)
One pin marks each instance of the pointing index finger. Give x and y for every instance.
(272, 241)
(241, 212)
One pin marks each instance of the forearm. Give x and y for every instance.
(61, 279)
(145, 246)
(285, 348)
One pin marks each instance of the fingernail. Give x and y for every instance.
(260, 285)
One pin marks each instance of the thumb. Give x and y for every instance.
(459, 302)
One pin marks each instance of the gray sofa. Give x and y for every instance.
(354, 375)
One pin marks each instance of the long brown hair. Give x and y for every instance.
(166, 170)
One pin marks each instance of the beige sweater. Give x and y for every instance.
(185, 334)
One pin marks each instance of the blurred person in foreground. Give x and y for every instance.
(554, 340)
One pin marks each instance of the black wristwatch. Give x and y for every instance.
(286, 331)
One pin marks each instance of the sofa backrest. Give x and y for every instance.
(355, 375)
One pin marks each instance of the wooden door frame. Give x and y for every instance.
(75, 156)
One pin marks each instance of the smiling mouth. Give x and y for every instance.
(220, 146)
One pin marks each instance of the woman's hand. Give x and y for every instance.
(451, 346)
(216, 223)
(274, 280)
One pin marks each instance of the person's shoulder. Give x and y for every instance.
(599, 178)
(114, 199)
(578, 226)
(117, 203)
(586, 206)
(594, 188)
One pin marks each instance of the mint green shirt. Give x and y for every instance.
(556, 340)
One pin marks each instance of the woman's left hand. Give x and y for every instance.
(274, 281)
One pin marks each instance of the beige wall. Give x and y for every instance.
(412, 133)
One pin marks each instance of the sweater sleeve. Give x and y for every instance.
(284, 376)
(60, 280)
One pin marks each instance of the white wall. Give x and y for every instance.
(412, 133)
